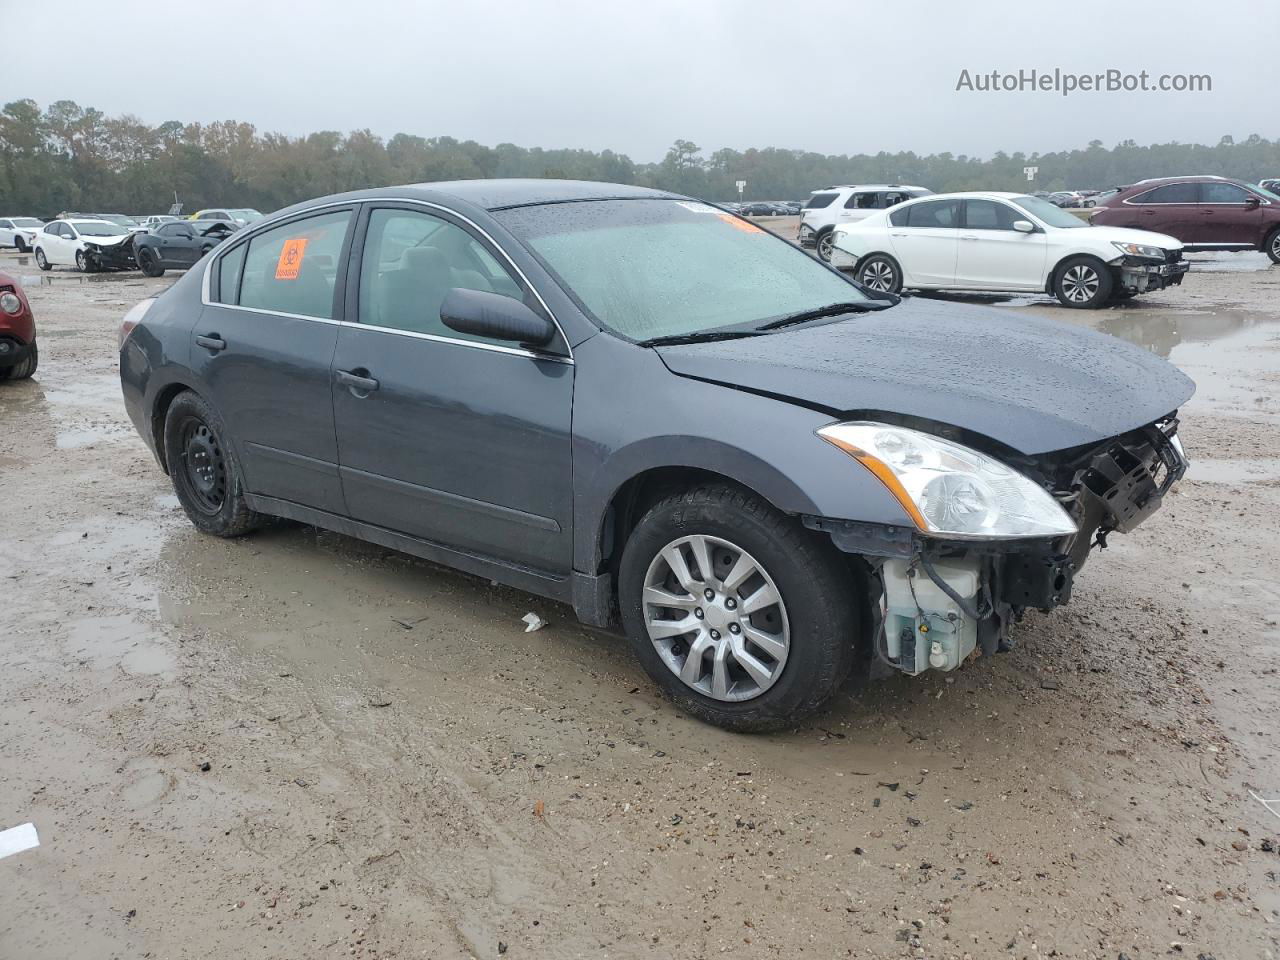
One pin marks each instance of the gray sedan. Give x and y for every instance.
(651, 409)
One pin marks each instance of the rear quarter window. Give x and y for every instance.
(820, 200)
(293, 268)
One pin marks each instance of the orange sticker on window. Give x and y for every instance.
(739, 224)
(291, 258)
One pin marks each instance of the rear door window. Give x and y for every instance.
(1169, 193)
(934, 213)
(861, 201)
(293, 268)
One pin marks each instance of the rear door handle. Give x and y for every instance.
(211, 341)
(358, 384)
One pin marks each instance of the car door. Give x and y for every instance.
(7, 237)
(859, 205)
(1226, 216)
(263, 349)
(448, 437)
(62, 249)
(182, 244)
(1172, 208)
(925, 237)
(993, 255)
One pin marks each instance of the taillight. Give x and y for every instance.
(133, 318)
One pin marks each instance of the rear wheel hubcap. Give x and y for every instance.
(716, 618)
(878, 275)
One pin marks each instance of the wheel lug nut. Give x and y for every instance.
(715, 634)
(698, 613)
(710, 594)
(731, 603)
(734, 628)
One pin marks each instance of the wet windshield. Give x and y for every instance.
(1053, 215)
(659, 268)
(1267, 194)
(86, 229)
(26, 222)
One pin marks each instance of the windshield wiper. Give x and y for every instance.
(704, 336)
(830, 310)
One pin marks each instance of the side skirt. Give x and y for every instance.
(562, 589)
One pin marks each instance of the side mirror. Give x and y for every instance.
(494, 316)
(1252, 201)
(1024, 226)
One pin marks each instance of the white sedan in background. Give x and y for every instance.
(19, 232)
(1006, 242)
(85, 244)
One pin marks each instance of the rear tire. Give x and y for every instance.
(21, 245)
(42, 261)
(804, 640)
(824, 245)
(1082, 283)
(204, 470)
(1272, 246)
(881, 273)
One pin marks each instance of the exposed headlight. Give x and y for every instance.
(949, 490)
(1139, 250)
(10, 303)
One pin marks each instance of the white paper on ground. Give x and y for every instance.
(18, 839)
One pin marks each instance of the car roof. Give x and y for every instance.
(973, 194)
(501, 194)
(870, 186)
(91, 220)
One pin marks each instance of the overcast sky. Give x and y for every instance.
(835, 78)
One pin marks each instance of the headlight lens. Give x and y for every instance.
(10, 303)
(1139, 250)
(950, 490)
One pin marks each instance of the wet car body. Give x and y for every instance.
(178, 244)
(18, 348)
(560, 461)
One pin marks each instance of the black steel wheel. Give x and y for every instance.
(203, 467)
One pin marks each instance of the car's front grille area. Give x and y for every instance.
(1173, 256)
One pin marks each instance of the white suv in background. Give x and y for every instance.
(19, 232)
(826, 209)
(1008, 242)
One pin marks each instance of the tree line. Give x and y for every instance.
(68, 157)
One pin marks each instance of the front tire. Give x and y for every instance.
(1082, 283)
(204, 470)
(1272, 247)
(21, 245)
(881, 273)
(23, 370)
(82, 262)
(742, 616)
(42, 261)
(149, 263)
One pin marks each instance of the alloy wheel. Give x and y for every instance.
(82, 264)
(206, 468)
(878, 276)
(1275, 247)
(716, 618)
(1080, 283)
(826, 243)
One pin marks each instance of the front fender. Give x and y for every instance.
(632, 415)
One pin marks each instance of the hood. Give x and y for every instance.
(109, 241)
(1031, 384)
(1128, 235)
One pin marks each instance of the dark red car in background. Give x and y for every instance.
(18, 355)
(1205, 213)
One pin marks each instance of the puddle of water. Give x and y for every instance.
(119, 641)
(1236, 472)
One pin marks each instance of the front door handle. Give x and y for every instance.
(360, 385)
(211, 341)
(968, 238)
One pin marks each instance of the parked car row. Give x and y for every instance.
(848, 203)
(92, 244)
(658, 412)
(1004, 242)
(764, 208)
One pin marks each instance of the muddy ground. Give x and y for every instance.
(299, 745)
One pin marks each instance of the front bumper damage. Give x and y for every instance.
(938, 600)
(806, 236)
(1144, 274)
(111, 256)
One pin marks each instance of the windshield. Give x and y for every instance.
(658, 268)
(247, 215)
(26, 222)
(119, 218)
(1050, 214)
(86, 229)
(1268, 194)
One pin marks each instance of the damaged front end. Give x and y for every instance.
(111, 256)
(1153, 270)
(939, 597)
